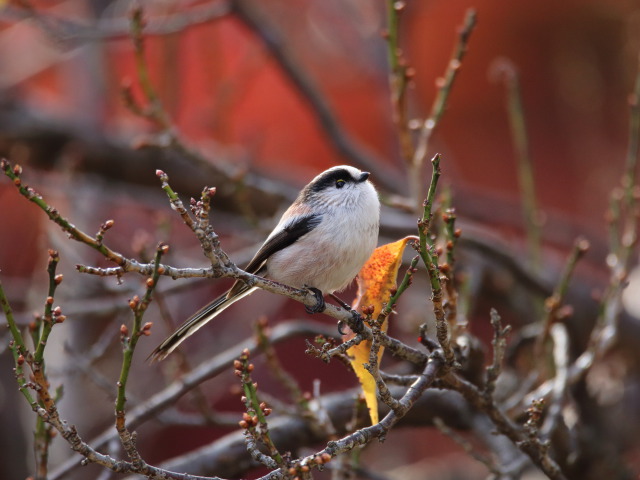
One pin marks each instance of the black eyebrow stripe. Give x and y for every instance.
(329, 178)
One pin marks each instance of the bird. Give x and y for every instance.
(320, 243)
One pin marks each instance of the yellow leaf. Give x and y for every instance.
(375, 282)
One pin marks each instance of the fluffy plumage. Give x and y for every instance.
(322, 241)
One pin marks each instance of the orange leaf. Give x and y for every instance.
(375, 282)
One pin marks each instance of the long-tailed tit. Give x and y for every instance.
(321, 243)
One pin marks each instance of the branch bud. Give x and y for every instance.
(133, 303)
(368, 310)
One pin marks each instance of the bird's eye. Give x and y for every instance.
(340, 183)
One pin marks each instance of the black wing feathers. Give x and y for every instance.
(289, 235)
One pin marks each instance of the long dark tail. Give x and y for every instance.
(197, 320)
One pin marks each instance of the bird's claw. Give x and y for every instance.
(357, 323)
(341, 325)
(319, 306)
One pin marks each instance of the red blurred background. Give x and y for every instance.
(61, 111)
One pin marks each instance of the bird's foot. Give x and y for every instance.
(356, 323)
(320, 305)
(356, 318)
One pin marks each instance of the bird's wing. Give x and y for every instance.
(292, 231)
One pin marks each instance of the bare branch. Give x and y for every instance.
(343, 143)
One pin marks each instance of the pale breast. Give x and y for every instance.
(330, 256)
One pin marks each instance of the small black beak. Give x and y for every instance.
(364, 176)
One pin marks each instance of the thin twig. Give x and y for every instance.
(630, 176)
(209, 241)
(555, 301)
(438, 108)
(403, 380)
(399, 79)
(373, 368)
(405, 283)
(507, 70)
(254, 420)
(138, 307)
(18, 349)
(43, 432)
(427, 250)
(561, 346)
(263, 335)
(468, 447)
(499, 344)
(64, 30)
(532, 446)
(343, 143)
(379, 430)
(171, 393)
(47, 411)
(452, 234)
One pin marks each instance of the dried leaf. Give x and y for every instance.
(375, 282)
